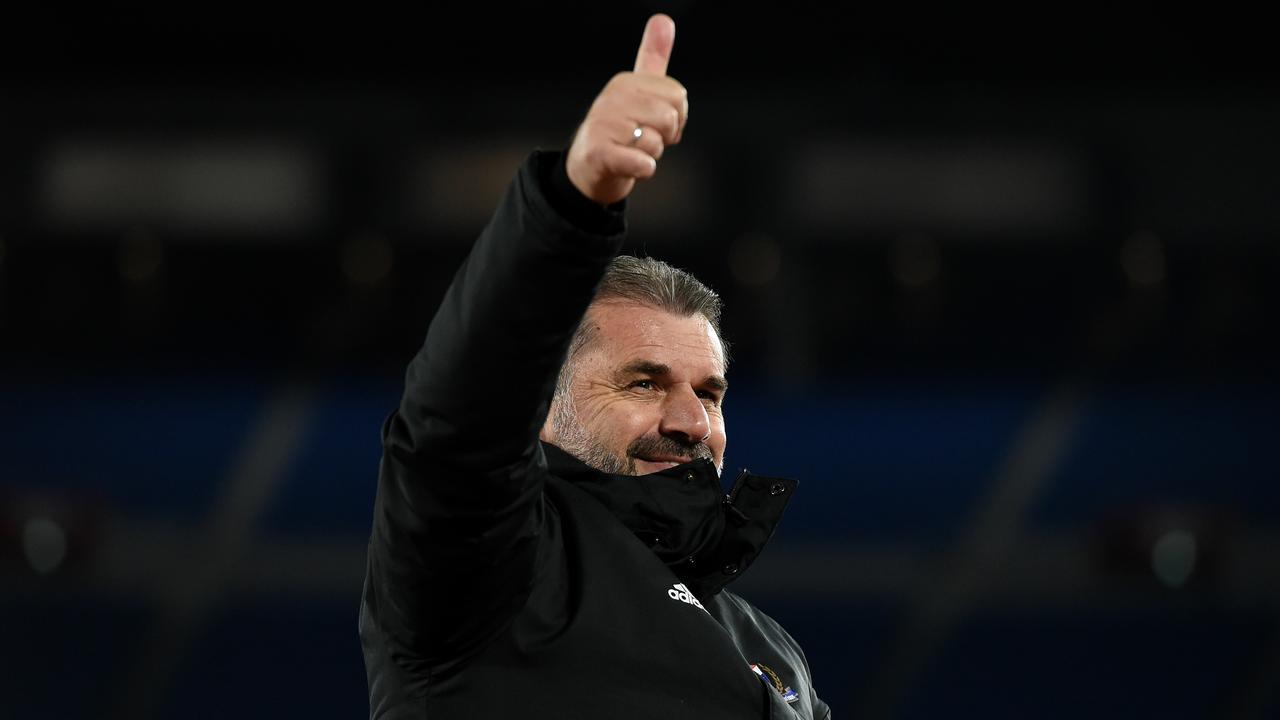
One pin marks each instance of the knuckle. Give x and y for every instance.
(645, 166)
(593, 153)
(619, 78)
(673, 119)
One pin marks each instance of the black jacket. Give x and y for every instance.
(505, 578)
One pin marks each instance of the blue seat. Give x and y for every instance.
(330, 485)
(144, 447)
(897, 461)
(1208, 446)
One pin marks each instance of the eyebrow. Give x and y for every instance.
(649, 367)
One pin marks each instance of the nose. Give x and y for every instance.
(684, 417)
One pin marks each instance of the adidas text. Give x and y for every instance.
(681, 593)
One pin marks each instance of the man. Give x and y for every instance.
(550, 536)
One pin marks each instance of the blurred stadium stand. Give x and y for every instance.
(998, 291)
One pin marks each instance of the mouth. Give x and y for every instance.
(663, 461)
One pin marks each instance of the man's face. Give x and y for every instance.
(645, 393)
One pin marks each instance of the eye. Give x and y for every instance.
(708, 395)
(642, 384)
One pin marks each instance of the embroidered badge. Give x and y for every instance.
(770, 678)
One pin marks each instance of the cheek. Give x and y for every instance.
(635, 421)
(621, 422)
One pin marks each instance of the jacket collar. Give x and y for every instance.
(706, 537)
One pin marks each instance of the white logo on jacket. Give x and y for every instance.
(681, 593)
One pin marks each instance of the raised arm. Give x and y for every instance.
(459, 511)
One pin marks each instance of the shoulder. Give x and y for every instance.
(743, 613)
(754, 630)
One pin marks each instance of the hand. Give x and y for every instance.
(605, 159)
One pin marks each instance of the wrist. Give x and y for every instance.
(567, 199)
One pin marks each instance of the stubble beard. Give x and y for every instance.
(575, 439)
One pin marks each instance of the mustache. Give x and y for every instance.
(651, 445)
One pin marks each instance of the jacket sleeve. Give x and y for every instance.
(820, 709)
(459, 507)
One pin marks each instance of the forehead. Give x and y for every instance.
(626, 331)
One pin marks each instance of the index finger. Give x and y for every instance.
(655, 46)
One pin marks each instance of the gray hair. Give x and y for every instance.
(654, 283)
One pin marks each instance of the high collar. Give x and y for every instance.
(706, 537)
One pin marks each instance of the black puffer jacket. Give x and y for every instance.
(508, 580)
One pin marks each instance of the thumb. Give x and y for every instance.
(655, 46)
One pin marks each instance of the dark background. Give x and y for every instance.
(999, 282)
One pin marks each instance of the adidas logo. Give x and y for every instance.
(681, 593)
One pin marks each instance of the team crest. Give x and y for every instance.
(770, 678)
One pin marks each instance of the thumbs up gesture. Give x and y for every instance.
(632, 121)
